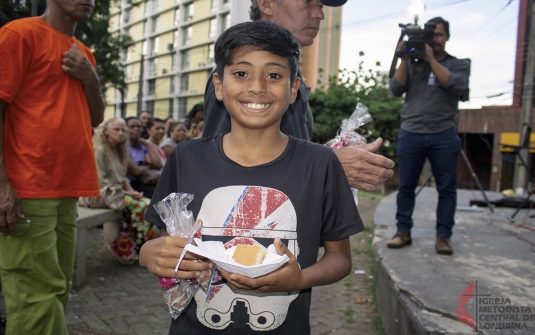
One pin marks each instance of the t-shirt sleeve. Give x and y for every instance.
(15, 59)
(341, 218)
(167, 184)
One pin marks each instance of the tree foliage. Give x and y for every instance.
(338, 102)
(93, 33)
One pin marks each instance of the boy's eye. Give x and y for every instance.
(240, 74)
(274, 76)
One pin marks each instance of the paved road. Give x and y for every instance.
(122, 299)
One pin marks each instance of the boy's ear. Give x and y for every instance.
(266, 8)
(294, 89)
(218, 86)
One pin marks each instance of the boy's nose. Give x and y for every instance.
(257, 86)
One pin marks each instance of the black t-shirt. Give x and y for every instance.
(297, 121)
(301, 196)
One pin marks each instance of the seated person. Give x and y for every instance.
(156, 131)
(175, 134)
(143, 164)
(125, 239)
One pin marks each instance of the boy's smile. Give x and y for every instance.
(256, 88)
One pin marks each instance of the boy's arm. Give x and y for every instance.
(333, 266)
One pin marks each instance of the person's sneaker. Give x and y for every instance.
(401, 239)
(443, 246)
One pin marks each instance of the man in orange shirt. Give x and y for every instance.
(50, 97)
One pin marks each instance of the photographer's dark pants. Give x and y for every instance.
(442, 150)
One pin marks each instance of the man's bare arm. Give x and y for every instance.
(77, 65)
(10, 206)
(364, 169)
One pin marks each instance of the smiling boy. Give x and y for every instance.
(256, 185)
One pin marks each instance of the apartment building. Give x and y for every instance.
(172, 55)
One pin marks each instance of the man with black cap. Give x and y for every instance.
(364, 169)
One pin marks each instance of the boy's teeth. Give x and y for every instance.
(257, 106)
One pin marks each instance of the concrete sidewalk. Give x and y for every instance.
(490, 278)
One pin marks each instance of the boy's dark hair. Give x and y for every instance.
(446, 24)
(259, 35)
(152, 121)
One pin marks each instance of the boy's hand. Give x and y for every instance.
(77, 65)
(161, 255)
(285, 279)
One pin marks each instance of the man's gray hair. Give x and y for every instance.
(254, 11)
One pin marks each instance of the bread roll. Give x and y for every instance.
(246, 254)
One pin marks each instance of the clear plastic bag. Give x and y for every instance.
(350, 132)
(179, 220)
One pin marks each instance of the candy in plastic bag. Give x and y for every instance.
(179, 222)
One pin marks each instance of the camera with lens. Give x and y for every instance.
(418, 37)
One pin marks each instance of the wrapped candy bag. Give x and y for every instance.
(350, 132)
(179, 222)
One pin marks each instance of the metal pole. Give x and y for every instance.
(527, 103)
(140, 88)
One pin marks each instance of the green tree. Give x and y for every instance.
(338, 102)
(93, 33)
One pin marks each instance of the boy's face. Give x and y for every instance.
(256, 88)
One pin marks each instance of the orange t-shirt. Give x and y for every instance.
(48, 151)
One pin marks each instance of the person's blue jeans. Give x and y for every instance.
(442, 150)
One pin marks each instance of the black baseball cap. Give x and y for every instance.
(334, 3)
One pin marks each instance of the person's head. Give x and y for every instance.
(177, 132)
(442, 35)
(75, 10)
(112, 135)
(156, 130)
(145, 116)
(134, 128)
(168, 122)
(256, 76)
(196, 113)
(301, 17)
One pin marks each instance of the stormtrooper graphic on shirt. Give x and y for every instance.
(245, 215)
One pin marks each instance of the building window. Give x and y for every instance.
(184, 81)
(185, 59)
(189, 12)
(225, 21)
(182, 105)
(152, 66)
(144, 47)
(214, 5)
(186, 36)
(171, 103)
(213, 29)
(154, 44)
(172, 85)
(152, 86)
(150, 106)
(155, 24)
(177, 16)
(126, 15)
(211, 53)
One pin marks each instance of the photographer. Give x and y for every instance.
(433, 84)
